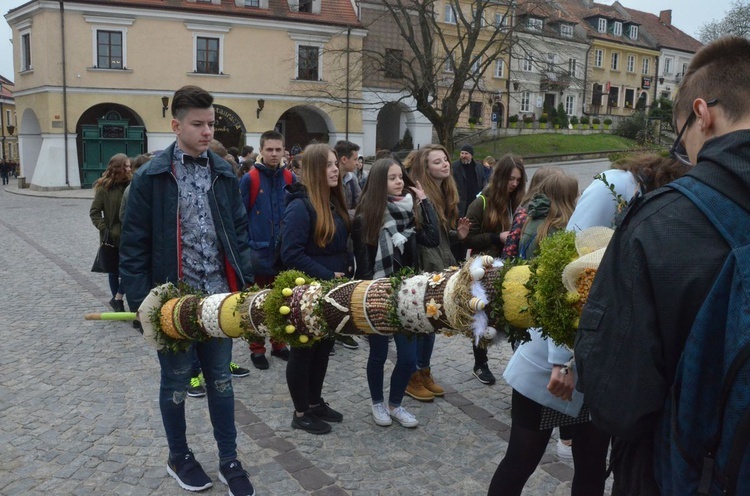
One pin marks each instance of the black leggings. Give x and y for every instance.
(305, 373)
(526, 448)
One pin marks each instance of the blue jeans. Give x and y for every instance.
(406, 364)
(176, 369)
(425, 344)
(115, 286)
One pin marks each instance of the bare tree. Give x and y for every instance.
(736, 22)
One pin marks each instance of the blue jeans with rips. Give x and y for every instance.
(425, 344)
(406, 364)
(176, 369)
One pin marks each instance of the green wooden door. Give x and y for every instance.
(111, 135)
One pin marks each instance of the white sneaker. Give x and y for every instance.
(564, 450)
(380, 415)
(404, 418)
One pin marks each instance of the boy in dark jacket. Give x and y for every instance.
(264, 219)
(186, 222)
(660, 266)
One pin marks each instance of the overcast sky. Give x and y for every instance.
(688, 15)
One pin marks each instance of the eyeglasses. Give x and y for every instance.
(678, 150)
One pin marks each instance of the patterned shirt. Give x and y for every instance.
(202, 268)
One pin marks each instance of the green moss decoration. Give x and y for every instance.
(274, 320)
(549, 306)
(396, 281)
(171, 344)
(496, 310)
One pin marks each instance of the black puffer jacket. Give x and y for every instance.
(656, 273)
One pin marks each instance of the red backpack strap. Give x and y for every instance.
(254, 187)
(288, 176)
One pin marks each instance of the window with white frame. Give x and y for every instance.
(551, 62)
(527, 63)
(525, 101)
(668, 61)
(499, 68)
(684, 69)
(534, 24)
(450, 14)
(7, 117)
(252, 3)
(615, 66)
(207, 51)
(501, 20)
(573, 68)
(570, 104)
(476, 66)
(308, 62)
(109, 49)
(631, 63)
(598, 57)
(26, 52)
(602, 26)
(566, 30)
(482, 23)
(450, 64)
(618, 28)
(646, 65)
(633, 32)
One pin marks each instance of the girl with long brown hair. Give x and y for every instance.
(491, 216)
(105, 215)
(431, 167)
(386, 239)
(314, 236)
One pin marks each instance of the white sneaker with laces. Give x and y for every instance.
(564, 450)
(404, 418)
(380, 415)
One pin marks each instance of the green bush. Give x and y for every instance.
(473, 120)
(595, 121)
(513, 118)
(574, 120)
(562, 117)
(635, 127)
(607, 121)
(528, 119)
(662, 109)
(585, 120)
(543, 119)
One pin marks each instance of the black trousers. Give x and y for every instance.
(305, 373)
(526, 448)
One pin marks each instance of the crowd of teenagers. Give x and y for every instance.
(221, 220)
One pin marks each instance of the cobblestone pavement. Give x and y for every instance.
(78, 399)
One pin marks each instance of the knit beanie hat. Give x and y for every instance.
(468, 148)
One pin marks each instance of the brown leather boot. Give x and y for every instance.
(429, 383)
(416, 389)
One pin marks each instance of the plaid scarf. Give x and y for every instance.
(398, 225)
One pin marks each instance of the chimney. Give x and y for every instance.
(665, 17)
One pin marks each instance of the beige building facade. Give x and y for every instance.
(93, 78)
(8, 122)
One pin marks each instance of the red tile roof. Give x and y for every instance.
(332, 12)
(666, 36)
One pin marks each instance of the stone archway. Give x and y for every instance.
(29, 143)
(394, 119)
(104, 130)
(303, 124)
(229, 129)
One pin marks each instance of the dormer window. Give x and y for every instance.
(618, 28)
(602, 26)
(633, 32)
(305, 6)
(534, 24)
(566, 30)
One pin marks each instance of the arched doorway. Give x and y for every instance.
(105, 130)
(229, 129)
(29, 143)
(394, 120)
(302, 124)
(498, 114)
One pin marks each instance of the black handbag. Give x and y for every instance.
(107, 258)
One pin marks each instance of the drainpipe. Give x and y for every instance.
(65, 91)
(348, 69)
(585, 81)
